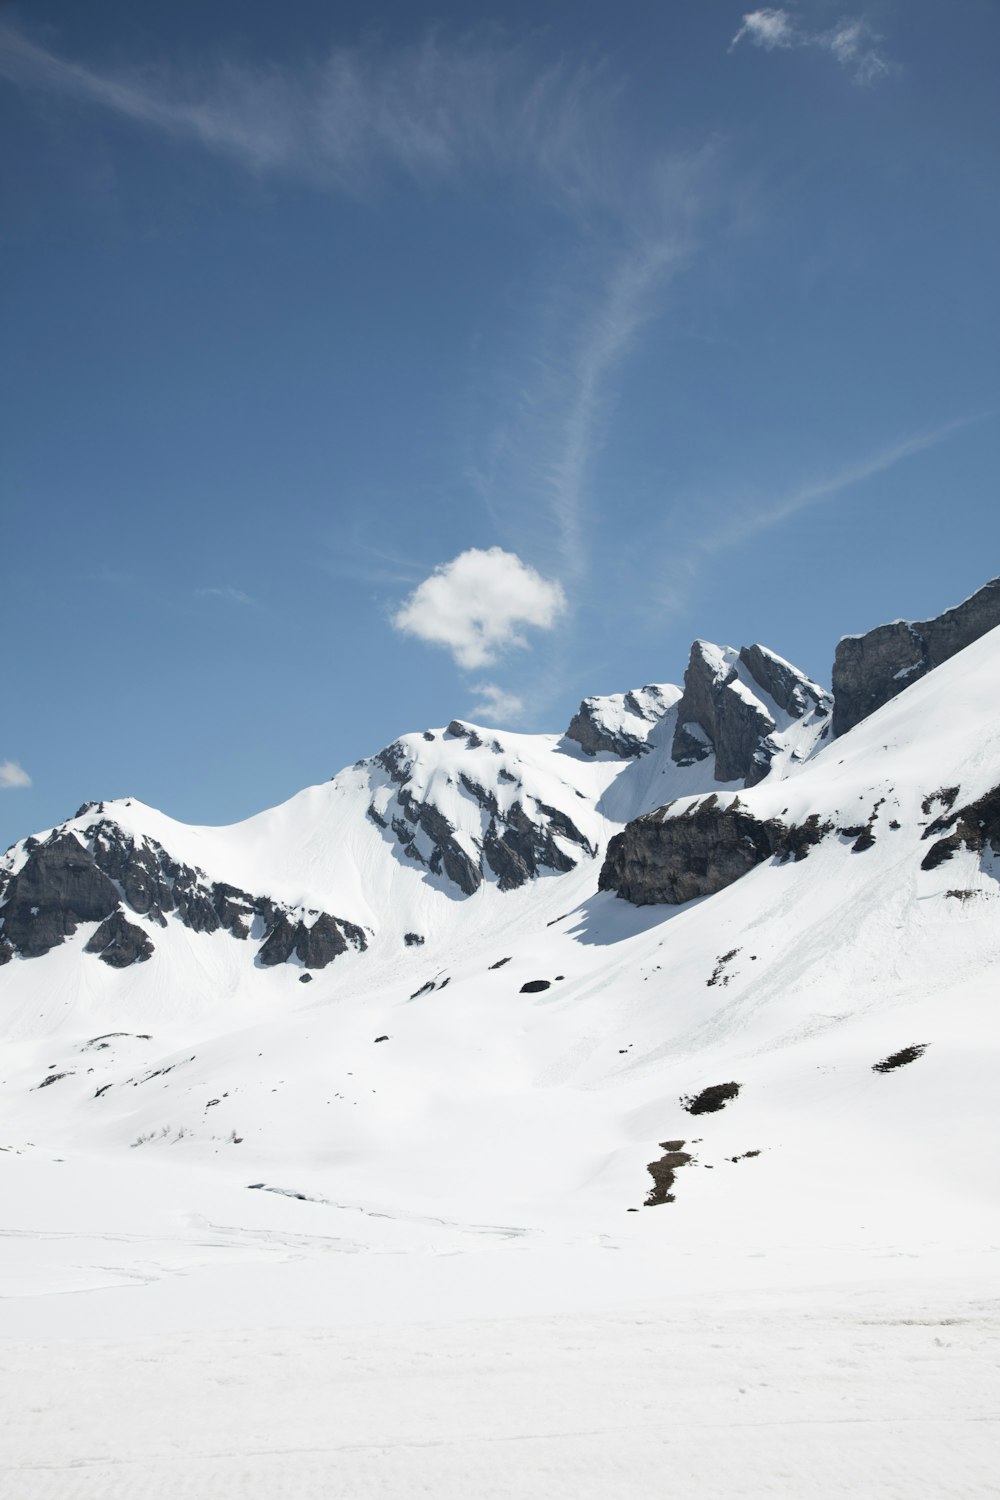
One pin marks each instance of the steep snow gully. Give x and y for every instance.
(669, 1043)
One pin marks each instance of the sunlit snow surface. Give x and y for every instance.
(247, 1250)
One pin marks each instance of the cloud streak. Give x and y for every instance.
(851, 43)
(430, 111)
(742, 528)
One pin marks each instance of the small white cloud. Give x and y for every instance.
(11, 774)
(495, 706)
(477, 605)
(851, 42)
(229, 595)
(766, 28)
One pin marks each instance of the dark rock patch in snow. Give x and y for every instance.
(974, 827)
(718, 975)
(314, 946)
(535, 986)
(664, 1172)
(710, 1100)
(119, 943)
(500, 963)
(52, 1078)
(901, 1058)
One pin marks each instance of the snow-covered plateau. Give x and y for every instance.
(361, 1148)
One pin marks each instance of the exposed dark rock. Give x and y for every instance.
(413, 939)
(381, 1038)
(500, 963)
(594, 729)
(394, 762)
(486, 799)
(314, 946)
(662, 859)
(376, 817)
(535, 986)
(517, 848)
(870, 669)
(900, 1059)
(789, 688)
(798, 838)
(119, 942)
(57, 887)
(711, 1100)
(719, 975)
(946, 795)
(973, 827)
(664, 1172)
(734, 722)
(449, 854)
(305, 979)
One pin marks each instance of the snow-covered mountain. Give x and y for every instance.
(490, 979)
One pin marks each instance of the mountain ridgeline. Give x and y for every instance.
(670, 793)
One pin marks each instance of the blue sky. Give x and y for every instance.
(370, 365)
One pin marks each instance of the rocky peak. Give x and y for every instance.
(95, 872)
(741, 705)
(463, 805)
(870, 669)
(620, 723)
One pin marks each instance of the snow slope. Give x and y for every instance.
(195, 1141)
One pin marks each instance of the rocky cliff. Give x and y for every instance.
(870, 669)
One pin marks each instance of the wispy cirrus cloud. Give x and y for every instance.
(751, 520)
(13, 775)
(428, 111)
(851, 42)
(227, 594)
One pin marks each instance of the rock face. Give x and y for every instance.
(721, 709)
(620, 723)
(516, 841)
(870, 669)
(664, 859)
(58, 887)
(119, 943)
(64, 882)
(975, 826)
(314, 945)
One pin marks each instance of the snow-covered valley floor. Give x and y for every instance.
(886, 1387)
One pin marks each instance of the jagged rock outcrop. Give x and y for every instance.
(517, 849)
(315, 945)
(515, 841)
(722, 712)
(58, 887)
(619, 723)
(662, 858)
(870, 669)
(975, 826)
(119, 943)
(64, 882)
(716, 702)
(790, 688)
